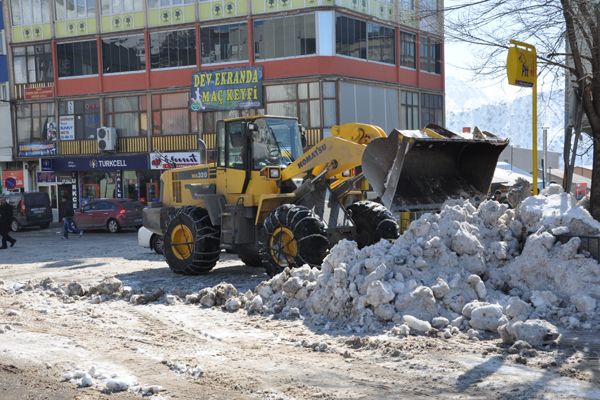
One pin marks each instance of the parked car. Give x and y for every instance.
(110, 214)
(149, 239)
(30, 209)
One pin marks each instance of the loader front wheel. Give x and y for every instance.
(373, 222)
(191, 242)
(292, 236)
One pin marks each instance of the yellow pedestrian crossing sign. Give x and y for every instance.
(521, 67)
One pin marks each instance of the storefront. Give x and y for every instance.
(117, 176)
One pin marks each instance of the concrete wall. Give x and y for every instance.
(521, 158)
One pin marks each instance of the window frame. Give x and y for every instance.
(45, 118)
(83, 114)
(430, 56)
(160, 109)
(192, 57)
(228, 60)
(93, 54)
(403, 35)
(141, 113)
(27, 56)
(256, 42)
(105, 62)
(362, 50)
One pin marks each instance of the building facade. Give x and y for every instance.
(132, 65)
(9, 171)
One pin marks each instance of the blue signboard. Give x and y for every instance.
(227, 89)
(101, 163)
(36, 149)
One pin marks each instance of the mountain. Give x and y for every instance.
(469, 106)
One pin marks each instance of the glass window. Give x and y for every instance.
(285, 37)
(35, 122)
(167, 3)
(85, 114)
(432, 109)
(123, 54)
(281, 92)
(27, 12)
(110, 7)
(224, 43)
(221, 143)
(408, 49)
(78, 58)
(351, 37)
(33, 64)
(73, 9)
(430, 56)
(127, 115)
(275, 142)
(170, 115)
(409, 113)
(381, 43)
(172, 49)
(236, 157)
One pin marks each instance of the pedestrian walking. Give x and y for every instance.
(6, 216)
(69, 225)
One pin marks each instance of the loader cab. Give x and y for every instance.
(255, 143)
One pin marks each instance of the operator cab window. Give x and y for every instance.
(276, 142)
(235, 153)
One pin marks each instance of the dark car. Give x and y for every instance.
(110, 214)
(29, 209)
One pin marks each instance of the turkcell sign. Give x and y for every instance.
(227, 89)
(126, 162)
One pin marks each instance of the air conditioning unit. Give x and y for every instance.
(106, 138)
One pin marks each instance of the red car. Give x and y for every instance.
(110, 214)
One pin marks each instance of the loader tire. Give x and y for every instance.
(373, 223)
(292, 236)
(191, 242)
(249, 255)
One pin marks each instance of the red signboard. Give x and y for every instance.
(12, 179)
(580, 190)
(41, 92)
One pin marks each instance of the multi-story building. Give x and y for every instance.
(8, 170)
(148, 69)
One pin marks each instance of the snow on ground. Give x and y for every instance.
(415, 318)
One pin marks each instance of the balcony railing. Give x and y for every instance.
(137, 144)
(174, 143)
(313, 136)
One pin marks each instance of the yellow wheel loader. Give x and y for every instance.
(278, 206)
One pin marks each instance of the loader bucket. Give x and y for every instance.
(420, 170)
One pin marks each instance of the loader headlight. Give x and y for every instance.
(346, 173)
(274, 173)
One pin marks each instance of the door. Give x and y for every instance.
(100, 213)
(83, 217)
(236, 157)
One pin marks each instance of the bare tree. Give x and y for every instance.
(566, 34)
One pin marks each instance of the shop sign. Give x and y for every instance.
(66, 179)
(119, 187)
(67, 127)
(182, 159)
(46, 164)
(39, 91)
(13, 179)
(46, 177)
(109, 163)
(37, 149)
(227, 89)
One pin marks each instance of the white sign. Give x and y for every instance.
(70, 107)
(167, 160)
(66, 127)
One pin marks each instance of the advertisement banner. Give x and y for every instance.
(46, 177)
(36, 149)
(12, 179)
(227, 89)
(67, 127)
(108, 163)
(38, 91)
(180, 159)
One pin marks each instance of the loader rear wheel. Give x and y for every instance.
(292, 236)
(373, 223)
(191, 242)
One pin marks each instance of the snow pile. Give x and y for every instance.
(108, 382)
(182, 368)
(471, 269)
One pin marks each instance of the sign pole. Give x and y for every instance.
(521, 70)
(534, 159)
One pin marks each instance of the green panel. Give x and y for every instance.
(219, 9)
(75, 27)
(29, 33)
(361, 6)
(382, 10)
(122, 22)
(166, 16)
(408, 18)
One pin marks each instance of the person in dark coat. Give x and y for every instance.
(6, 216)
(68, 213)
